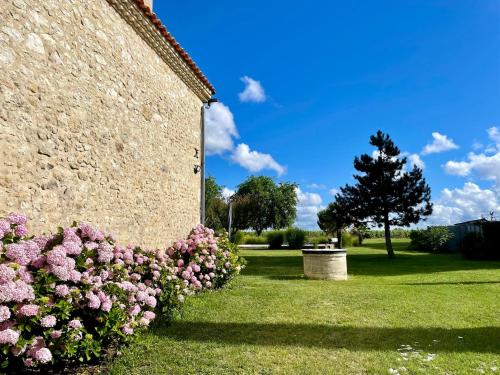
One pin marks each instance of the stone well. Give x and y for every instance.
(325, 264)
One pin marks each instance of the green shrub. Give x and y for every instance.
(355, 240)
(238, 238)
(316, 237)
(395, 233)
(347, 240)
(431, 239)
(275, 239)
(255, 240)
(295, 237)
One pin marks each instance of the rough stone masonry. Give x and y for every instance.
(94, 124)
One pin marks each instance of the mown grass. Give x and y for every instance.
(273, 321)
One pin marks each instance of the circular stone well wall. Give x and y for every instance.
(325, 264)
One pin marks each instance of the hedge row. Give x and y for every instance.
(70, 297)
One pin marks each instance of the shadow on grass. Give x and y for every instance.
(454, 283)
(479, 340)
(289, 267)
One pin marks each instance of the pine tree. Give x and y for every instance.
(385, 194)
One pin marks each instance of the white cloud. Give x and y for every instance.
(220, 129)
(469, 203)
(308, 199)
(253, 92)
(308, 206)
(494, 135)
(441, 143)
(255, 161)
(227, 193)
(486, 167)
(333, 191)
(414, 160)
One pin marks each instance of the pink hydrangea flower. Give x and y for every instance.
(56, 334)
(141, 296)
(94, 301)
(39, 262)
(6, 274)
(91, 245)
(43, 355)
(72, 248)
(48, 321)
(75, 276)
(4, 228)
(128, 330)
(134, 310)
(105, 253)
(42, 241)
(106, 306)
(16, 218)
(57, 256)
(62, 290)
(28, 362)
(28, 310)
(9, 336)
(25, 275)
(151, 301)
(17, 291)
(75, 324)
(17, 253)
(20, 231)
(4, 313)
(61, 272)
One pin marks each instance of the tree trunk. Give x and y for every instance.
(339, 238)
(360, 238)
(388, 242)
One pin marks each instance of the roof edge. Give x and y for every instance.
(155, 34)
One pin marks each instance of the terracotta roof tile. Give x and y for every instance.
(170, 39)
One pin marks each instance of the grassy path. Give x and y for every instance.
(419, 313)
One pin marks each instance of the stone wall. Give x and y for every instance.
(94, 125)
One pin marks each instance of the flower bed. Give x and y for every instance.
(71, 296)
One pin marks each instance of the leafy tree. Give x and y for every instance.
(360, 230)
(260, 203)
(216, 208)
(335, 218)
(385, 194)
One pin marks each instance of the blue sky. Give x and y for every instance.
(321, 77)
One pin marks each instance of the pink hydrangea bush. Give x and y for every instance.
(204, 261)
(71, 296)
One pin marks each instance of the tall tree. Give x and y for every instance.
(334, 219)
(216, 209)
(264, 204)
(385, 194)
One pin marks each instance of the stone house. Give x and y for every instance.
(101, 116)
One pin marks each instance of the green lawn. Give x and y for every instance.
(418, 313)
